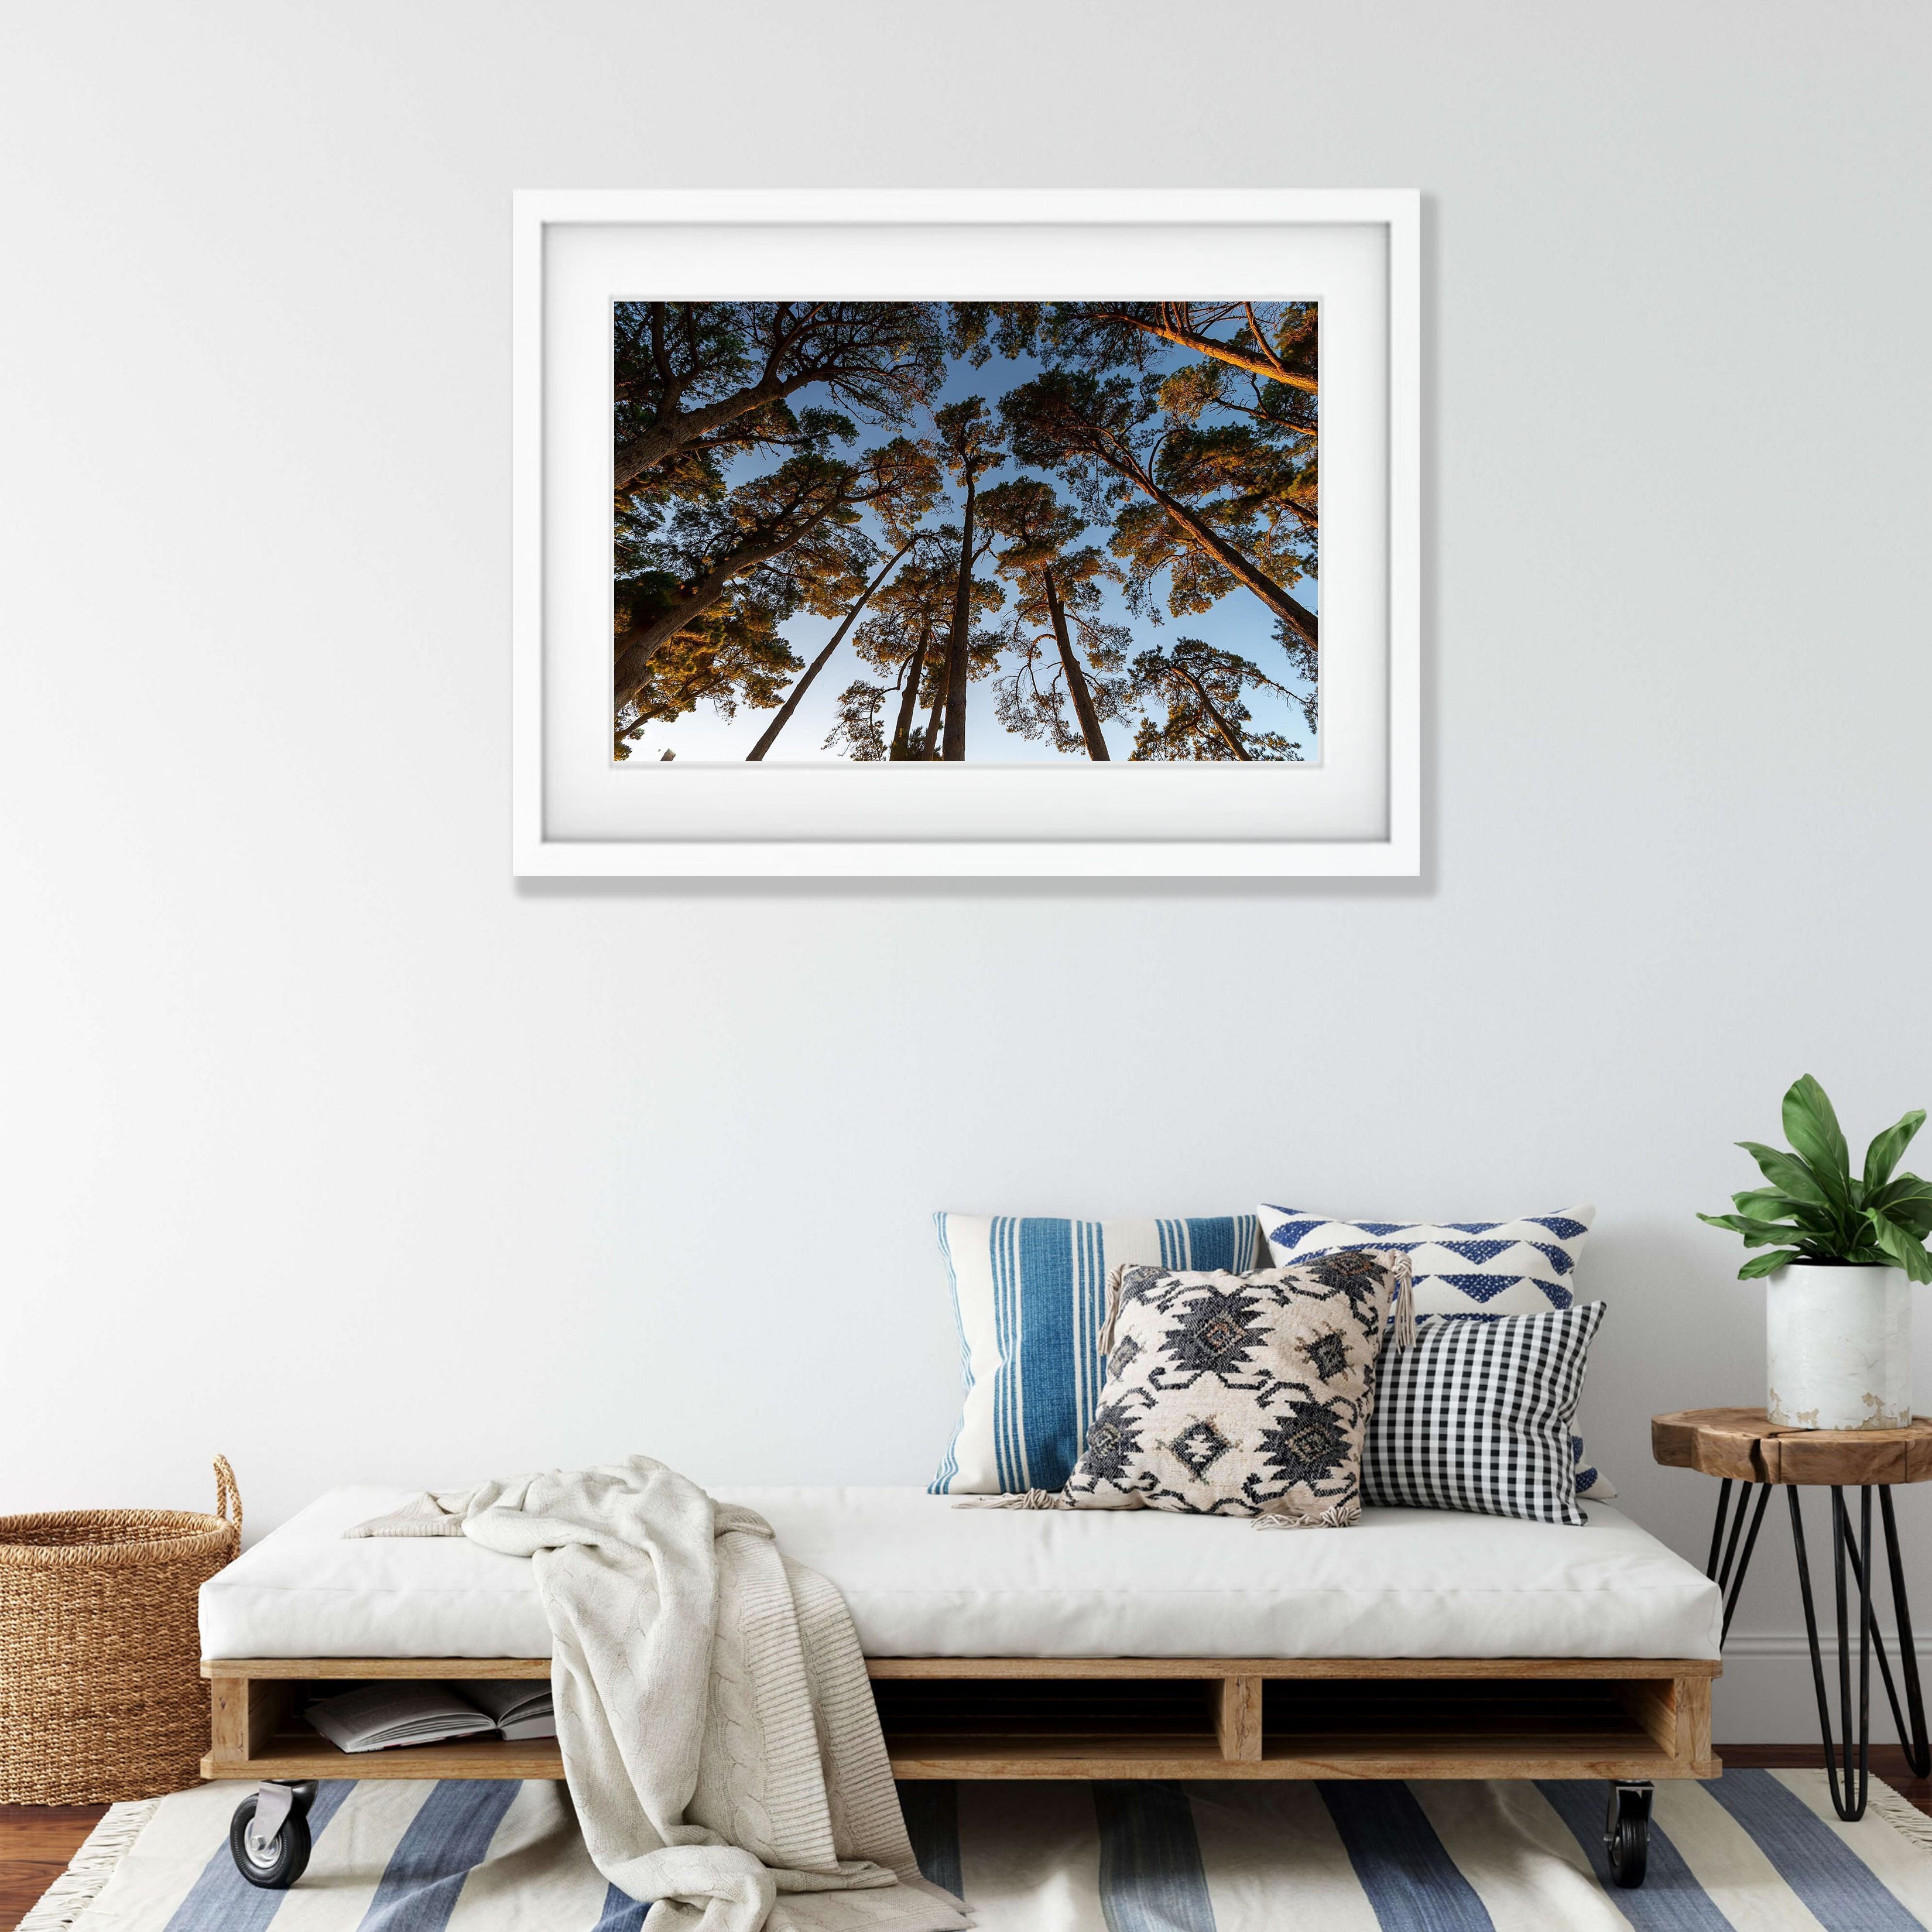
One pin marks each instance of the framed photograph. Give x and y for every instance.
(967, 533)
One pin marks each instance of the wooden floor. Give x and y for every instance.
(37, 1841)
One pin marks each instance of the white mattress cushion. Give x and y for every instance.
(924, 1578)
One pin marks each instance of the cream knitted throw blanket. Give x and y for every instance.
(717, 1725)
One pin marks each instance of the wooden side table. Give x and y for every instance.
(1741, 1445)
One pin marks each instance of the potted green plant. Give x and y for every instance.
(1843, 1250)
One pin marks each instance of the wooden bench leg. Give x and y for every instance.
(244, 1713)
(1693, 1713)
(1237, 1718)
(228, 1700)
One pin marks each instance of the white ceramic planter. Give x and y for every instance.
(1838, 1347)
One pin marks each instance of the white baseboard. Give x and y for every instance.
(1764, 1644)
(1766, 1697)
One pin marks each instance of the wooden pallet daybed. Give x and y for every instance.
(920, 1578)
(1631, 1719)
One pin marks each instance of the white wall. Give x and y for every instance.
(323, 1143)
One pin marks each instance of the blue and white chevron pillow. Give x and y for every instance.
(1479, 1269)
(1029, 1294)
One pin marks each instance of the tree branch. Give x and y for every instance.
(1228, 735)
(1272, 367)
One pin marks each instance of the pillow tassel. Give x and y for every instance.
(1106, 1341)
(1026, 1499)
(1405, 1311)
(1337, 1516)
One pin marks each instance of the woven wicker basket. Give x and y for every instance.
(101, 1696)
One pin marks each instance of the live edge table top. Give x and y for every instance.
(1745, 1445)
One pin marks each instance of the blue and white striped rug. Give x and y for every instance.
(1757, 1851)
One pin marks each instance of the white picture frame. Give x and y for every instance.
(575, 812)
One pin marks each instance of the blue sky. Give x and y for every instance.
(1238, 623)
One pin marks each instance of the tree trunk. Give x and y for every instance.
(1076, 678)
(930, 748)
(644, 453)
(636, 647)
(1229, 736)
(909, 700)
(818, 663)
(1296, 615)
(955, 645)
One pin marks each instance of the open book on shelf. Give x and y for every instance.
(521, 1708)
(380, 1716)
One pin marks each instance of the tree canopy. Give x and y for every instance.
(995, 507)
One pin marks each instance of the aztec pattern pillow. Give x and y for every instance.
(1523, 1267)
(1029, 1294)
(1240, 1395)
(1475, 1415)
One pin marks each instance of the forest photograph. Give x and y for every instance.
(939, 532)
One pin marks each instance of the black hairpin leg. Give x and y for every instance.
(1848, 1799)
(1847, 1763)
(1730, 1575)
(1918, 1752)
(1910, 1722)
(1717, 1528)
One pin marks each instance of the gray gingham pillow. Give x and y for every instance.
(1475, 1414)
(1240, 1395)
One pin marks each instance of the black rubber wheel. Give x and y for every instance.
(1627, 1837)
(289, 1856)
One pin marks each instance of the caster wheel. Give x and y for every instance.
(287, 1856)
(1627, 1834)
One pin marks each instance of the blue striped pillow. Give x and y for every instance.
(1029, 1294)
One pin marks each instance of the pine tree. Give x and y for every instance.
(901, 639)
(857, 731)
(1110, 435)
(1275, 342)
(1201, 691)
(687, 561)
(1054, 580)
(969, 447)
(734, 656)
(901, 516)
(695, 382)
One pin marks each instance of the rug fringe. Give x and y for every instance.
(91, 1868)
(1901, 1813)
